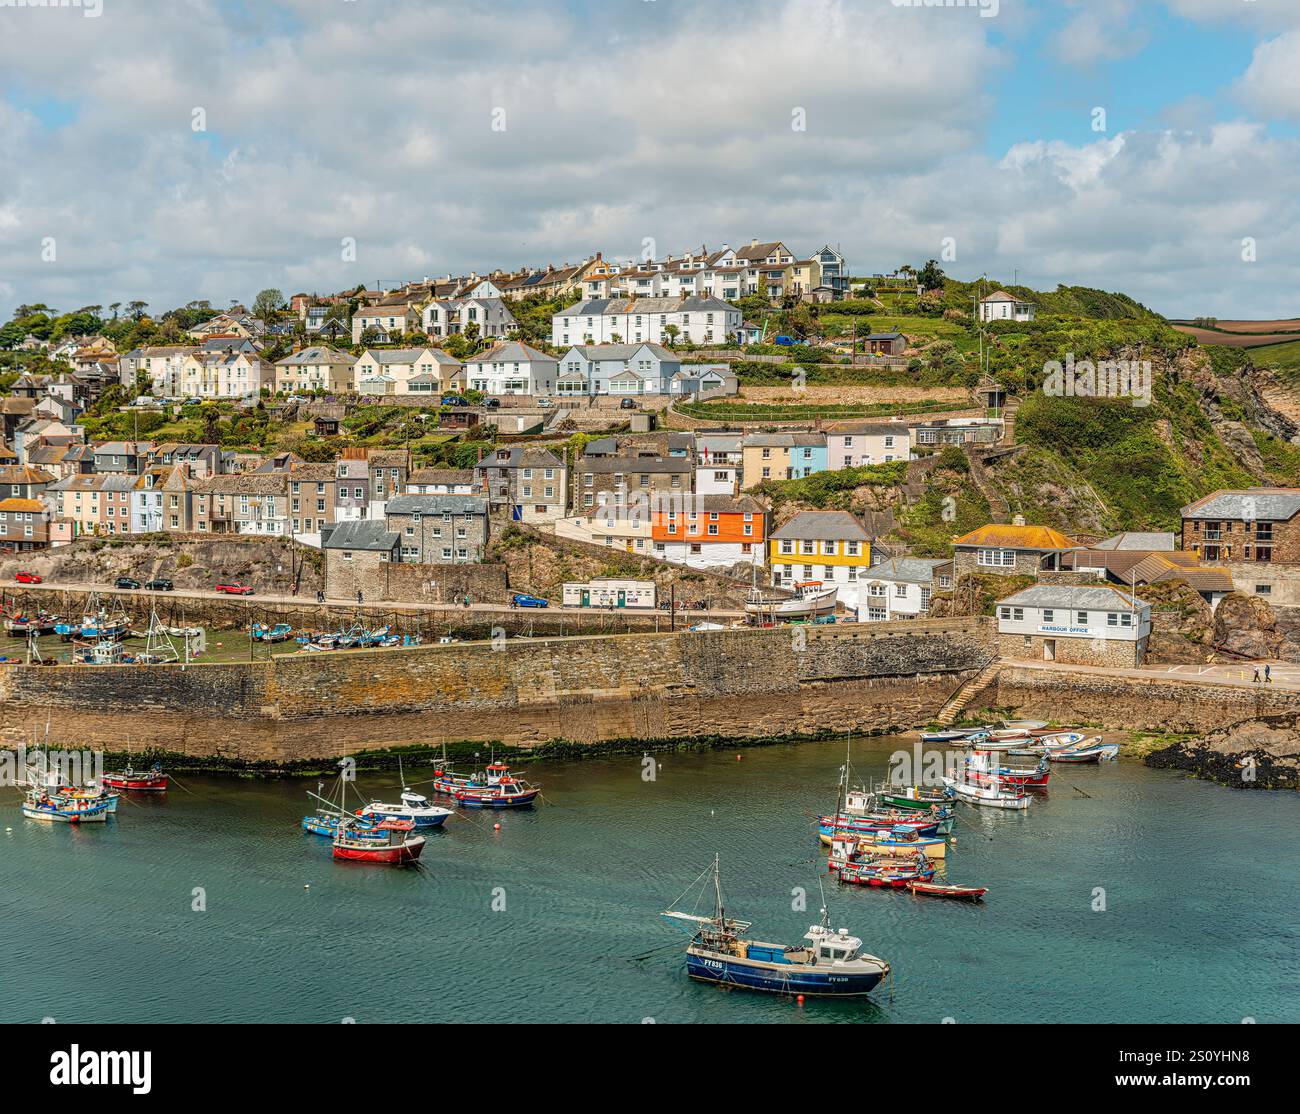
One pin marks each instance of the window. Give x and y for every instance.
(997, 558)
(1263, 589)
(1081, 618)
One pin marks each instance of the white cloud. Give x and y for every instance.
(672, 121)
(1271, 85)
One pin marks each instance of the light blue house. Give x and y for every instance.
(617, 369)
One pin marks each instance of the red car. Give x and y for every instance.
(235, 589)
(29, 578)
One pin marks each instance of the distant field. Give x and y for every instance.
(1280, 357)
(1285, 325)
(1243, 334)
(1236, 339)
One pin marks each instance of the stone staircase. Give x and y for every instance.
(999, 509)
(959, 699)
(1009, 420)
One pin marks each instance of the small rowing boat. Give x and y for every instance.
(956, 893)
(137, 781)
(1094, 750)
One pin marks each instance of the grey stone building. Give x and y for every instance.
(356, 556)
(439, 529)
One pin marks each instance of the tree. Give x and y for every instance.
(931, 276)
(135, 310)
(671, 332)
(268, 304)
(114, 308)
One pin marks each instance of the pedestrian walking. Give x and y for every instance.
(1268, 674)
(1256, 677)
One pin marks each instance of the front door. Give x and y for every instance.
(1049, 649)
(586, 598)
(622, 598)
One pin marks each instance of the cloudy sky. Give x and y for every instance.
(207, 148)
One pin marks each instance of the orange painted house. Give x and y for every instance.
(710, 531)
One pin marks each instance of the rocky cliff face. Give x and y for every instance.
(1257, 754)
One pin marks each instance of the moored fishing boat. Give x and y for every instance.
(39, 804)
(899, 841)
(152, 780)
(415, 807)
(398, 847)
(508, 792)
(913, 797)
(990, 795)
(327, 824)
(831, 964)
(885, 872)
(980, 768)
(88, 795)
(857, 866)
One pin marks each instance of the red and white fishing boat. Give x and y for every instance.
(137, 781)
(400, 848)
(982, 768)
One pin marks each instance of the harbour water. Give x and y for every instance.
(544, 919)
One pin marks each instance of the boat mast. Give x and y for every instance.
(717, 890)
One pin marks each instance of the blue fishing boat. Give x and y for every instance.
(325, 824)
(830, 963)
(281, 632)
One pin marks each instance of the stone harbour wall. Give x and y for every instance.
(732, 683)
(1149, 703)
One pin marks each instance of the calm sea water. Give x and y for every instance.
(1200, 886)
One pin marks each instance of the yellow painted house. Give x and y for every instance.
(830, 546)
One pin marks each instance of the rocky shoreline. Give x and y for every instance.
(1256, 754)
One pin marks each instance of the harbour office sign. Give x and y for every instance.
(1057, 628)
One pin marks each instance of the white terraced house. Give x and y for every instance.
(511, 369)
(444, 317)
(698, 320)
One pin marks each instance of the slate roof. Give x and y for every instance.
(1272, 504)
(906, 570)
(1082, 599)
(823, 526)
(361, 534)
(437, 504)
(1155, 541)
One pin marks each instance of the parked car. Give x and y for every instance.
(492, 403)
(234, 588)
(159, 585)
(627, 404)
(29, 578)
(522, 599)
(454, 400)
(545, 402)
(129, 582)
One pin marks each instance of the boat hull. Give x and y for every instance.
(98, 813)
(496, 800)
(779, 978)
(136, 783)
(407, 852)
